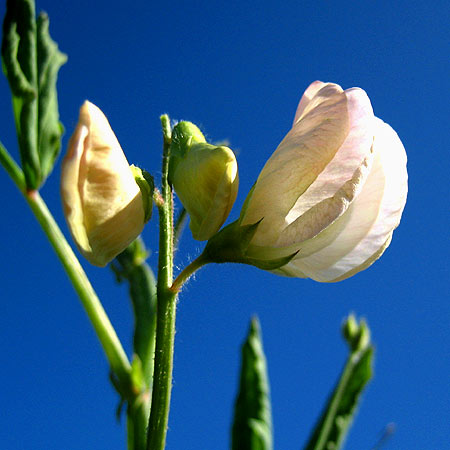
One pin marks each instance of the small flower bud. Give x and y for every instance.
(103, 204)
(356, 334)
(205, 178)
(350, 328)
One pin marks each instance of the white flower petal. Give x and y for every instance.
(307, 96)
(356, 238)
(302, 155)
(318, 168)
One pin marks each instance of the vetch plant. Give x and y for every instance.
(324, 206)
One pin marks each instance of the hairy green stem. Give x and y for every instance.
(166, 310)
(187, 272)
(108, 338)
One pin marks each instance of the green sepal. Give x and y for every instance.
(30, 61)
(252, 427)
(119, 409)
(231, 243)
(146, 184)
(137, 374)
(336, 419)
(184, 135)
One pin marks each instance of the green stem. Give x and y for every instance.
(136, 426)
(14, 171)
(111, 345)
(188, 271)
(165, 327)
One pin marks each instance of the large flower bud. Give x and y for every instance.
(102, 202)
(333, 191)
(205, 178)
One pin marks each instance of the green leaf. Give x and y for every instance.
(30, 61)
(252, 428)
(333, 425)
(50, 129)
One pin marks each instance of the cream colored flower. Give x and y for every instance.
(205, 178)
(333, 191)
(102, 202)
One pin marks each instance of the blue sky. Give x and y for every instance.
(237, 69)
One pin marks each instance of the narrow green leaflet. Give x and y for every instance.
(252, 428)
(30, 61)
(333, 425)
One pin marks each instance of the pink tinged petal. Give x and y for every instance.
(302, 155)
(365, 264)
(308, 95)
(317, 169)
(326, 211)
(330, 194)
(362, 234)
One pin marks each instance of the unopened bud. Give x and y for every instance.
(103, 204)
(205, 178)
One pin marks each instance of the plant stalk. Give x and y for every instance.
(166, 309)
(108, 338)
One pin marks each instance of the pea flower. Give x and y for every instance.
(205, 178)
(102, 201)
(333, 191)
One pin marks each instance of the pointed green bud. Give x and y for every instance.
(350, 328)
(356, 335)
(205, 178)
